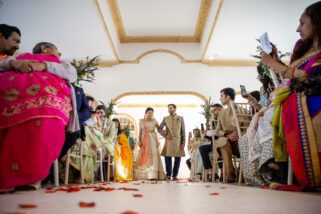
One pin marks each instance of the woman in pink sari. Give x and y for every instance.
(34, 111)
(300, 103)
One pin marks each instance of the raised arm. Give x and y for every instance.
(63, 69)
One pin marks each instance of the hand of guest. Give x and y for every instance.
(261, 113)
(38, 66)
(274, 52)
(24, 66)
(266, 59)
(169, 137)
(182, 146)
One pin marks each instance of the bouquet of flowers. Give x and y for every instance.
(206, 110)
(86, 69)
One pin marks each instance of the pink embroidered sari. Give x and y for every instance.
(34, 110)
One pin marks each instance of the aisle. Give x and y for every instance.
(164, 197)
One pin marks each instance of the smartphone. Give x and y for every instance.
(243, 91)
(202, 126)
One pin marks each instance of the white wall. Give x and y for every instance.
(164, 72)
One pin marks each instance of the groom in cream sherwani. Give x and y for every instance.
(174, 135)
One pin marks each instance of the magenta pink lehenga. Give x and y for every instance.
(34, 111)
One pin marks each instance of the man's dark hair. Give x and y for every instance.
(216, 105)
(90, 98)
(7, 30)
(101, 107)
(229, 92)
(256, 95)
(174, 106)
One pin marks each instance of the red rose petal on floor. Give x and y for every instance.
(128, 189)
(27, 205)
(223, 187)
(207, 186)
(86, 204)
(138, 195)
(214, 193)
(50, 190)
(108, 189)
(73, 189)
(129, 212)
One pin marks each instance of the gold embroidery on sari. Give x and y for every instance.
(11, 95)
(47, 101)
(51, 90)
(33, 90)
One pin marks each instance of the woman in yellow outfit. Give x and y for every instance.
(123, 158)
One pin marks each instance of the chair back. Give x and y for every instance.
(243, 113)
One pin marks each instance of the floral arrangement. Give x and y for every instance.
(110, 109)
(206, 110)
(86, 69)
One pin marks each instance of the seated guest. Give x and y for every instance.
(99, 135)
(195, 163)
(84, 114)
(226, 137)
(35, 105)
(123, 158)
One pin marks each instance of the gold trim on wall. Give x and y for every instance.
(229, 63)
(161, 93)
(202, 17)
(220, 6)
(154, 105)
(159, 50)
(124, 38)
(210, 63)
(101, 17)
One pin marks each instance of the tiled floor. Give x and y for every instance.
(163, 197)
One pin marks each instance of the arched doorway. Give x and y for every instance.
(133, 104)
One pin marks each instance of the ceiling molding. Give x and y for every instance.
(210, 63)
(160, 93)
(160, 50)
(101, 17)
(202, 17)
(220, 6)
(230, 63)
(124, 38)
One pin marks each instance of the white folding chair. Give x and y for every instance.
(56, 173)
(68, 155)
(102, 153)
(243, 114)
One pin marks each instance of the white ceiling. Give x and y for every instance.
(86, 28)
(155, 18)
